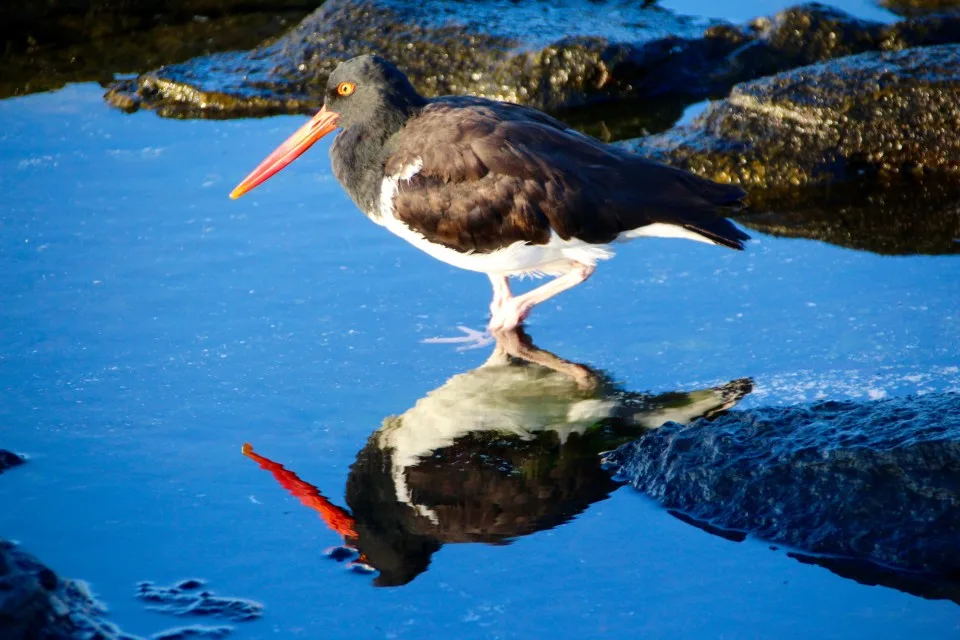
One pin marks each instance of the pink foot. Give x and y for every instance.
(471, 339)
(511, 314)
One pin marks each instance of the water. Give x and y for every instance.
(151, 326)
(743, 10)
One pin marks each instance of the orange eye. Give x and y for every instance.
(346, 88)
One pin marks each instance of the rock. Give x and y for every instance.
(846, 484)
(874, 113)
(30, 24)
(35, 603)
(863, 151)
(185, 599)
(919, 7)
(548, 55)
(96, 52)
(531, 52)
(812, 33)
(8, 460)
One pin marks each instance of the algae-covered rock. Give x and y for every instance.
(874, 113)
(872, 484)
(552, 55)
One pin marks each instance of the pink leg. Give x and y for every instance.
(501, 293)
(513, 310)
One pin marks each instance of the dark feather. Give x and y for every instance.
(495, 173)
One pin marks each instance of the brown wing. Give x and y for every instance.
(495, 173)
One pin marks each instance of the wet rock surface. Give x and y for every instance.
(549, 55)
(873, 484)
(863, 151)
(189, 598)
(546, 54)
(864, 115)
(36, 603)
(192, 631)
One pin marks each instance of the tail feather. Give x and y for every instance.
(671, 202)
(717, 201)
(720, 231)
(716, 193)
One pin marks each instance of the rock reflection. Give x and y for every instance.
(505, 450)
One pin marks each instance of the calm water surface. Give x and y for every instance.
(150, 326)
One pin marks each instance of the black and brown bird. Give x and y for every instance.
(496, 187)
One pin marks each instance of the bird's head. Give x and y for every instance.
(365, 91)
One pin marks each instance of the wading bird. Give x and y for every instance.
(496, 187)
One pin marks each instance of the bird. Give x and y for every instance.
(496, 187)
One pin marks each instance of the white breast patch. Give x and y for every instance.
(517, 258)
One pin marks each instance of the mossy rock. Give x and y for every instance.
(874, 113)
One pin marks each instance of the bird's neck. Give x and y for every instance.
(357, 157)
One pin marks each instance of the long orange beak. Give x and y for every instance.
(320, 125)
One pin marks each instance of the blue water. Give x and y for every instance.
(150, 326)
(743, 10)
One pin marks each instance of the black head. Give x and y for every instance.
(368, 89)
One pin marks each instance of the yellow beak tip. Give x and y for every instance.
(236, 193)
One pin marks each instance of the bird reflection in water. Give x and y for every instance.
(505, 450)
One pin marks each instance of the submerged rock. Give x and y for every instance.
(873, 484)
(187, 599)
(35, 603)
(549, 55)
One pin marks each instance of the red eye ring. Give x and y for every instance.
(346, 88)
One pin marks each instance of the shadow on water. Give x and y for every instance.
(502, 451)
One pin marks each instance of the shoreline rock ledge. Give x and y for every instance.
(550, 55)
(869, 488)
